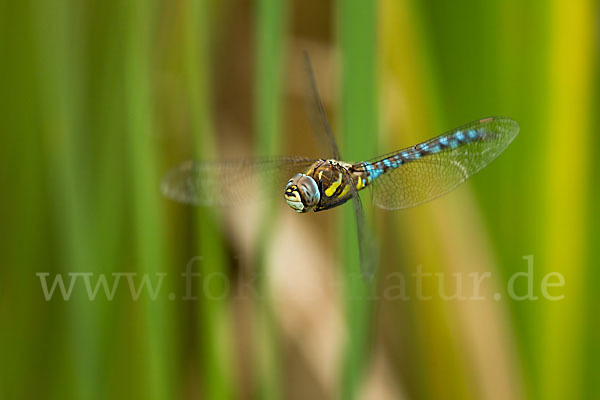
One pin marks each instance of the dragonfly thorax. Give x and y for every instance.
(302, 193)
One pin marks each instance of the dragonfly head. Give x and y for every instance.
(302, 193)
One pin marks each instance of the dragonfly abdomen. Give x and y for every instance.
(433, 146)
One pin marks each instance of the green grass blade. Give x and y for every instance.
(146, 200)
(270, 29)
(215, 336)
(359, 117)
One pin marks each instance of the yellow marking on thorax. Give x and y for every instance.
(311, 170)
(333, 187)
(320, 174)
(345, 191)
(360, 184)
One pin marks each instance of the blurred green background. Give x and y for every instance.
(100, 98)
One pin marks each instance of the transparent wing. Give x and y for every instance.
(316, 111)
(423, 176)
(366, 240)
(231, 182)
(322, 129)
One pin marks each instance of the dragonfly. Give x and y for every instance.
(401, 179)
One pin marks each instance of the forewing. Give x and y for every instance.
(231, 182)
(316, 111)
(420, 180)
(366, 240)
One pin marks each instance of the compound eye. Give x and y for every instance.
(302, 193)
(293, 182)
(309, 191)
